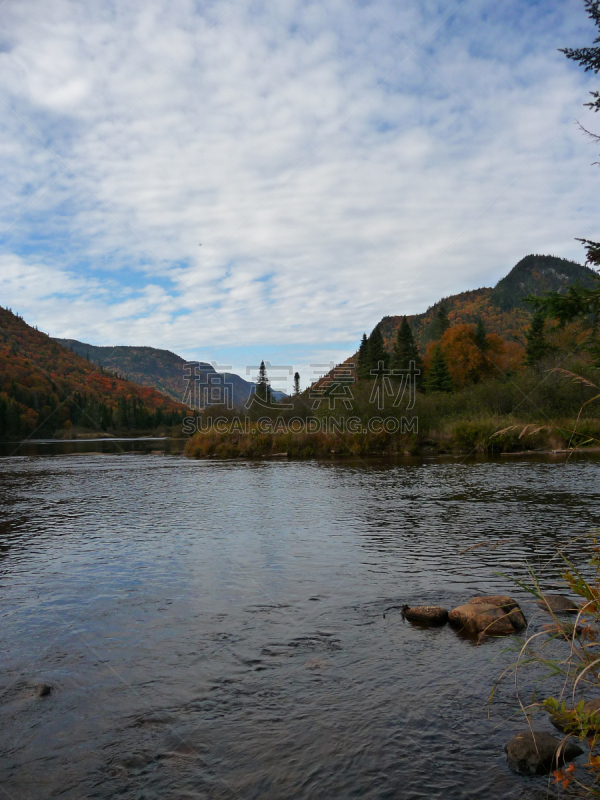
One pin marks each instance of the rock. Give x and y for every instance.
(425, 615)
(496, 615)
(499, 600)
(591, 707)
(43, 690)
(558, 604)
(508, 605)
(537, 753)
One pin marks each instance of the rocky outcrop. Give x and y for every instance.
(537, 753)
(493, 615)
(425, 615)
(43, 690)
(558, 604)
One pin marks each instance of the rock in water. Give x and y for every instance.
(537, 753)
(508, 605)
(425, 615)
(558, 604)
(43, 689)
(495, 615)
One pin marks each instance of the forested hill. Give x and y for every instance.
(151, 366)
(46, 388)
(501, 308)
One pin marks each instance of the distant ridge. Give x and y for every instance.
(162, 369)
(501, 307)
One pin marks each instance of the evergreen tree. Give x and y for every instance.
(537, 347)
(296, 383)
(362, 360)
(481, 336)
(589, 59)
(376, 351)
(438, 376)
(440, 324)
(406, 350)
(263, 385)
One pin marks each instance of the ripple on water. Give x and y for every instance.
(233, 630)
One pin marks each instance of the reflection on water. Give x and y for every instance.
(230, 630)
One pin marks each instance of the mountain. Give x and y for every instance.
(166, 371)
(502, 307)
(45, 387)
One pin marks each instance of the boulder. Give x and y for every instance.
(43, 689)
(537, 753)
(425, 615)
(591, 707)
(558, 604)
(495, 615)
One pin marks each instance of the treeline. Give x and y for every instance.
(25, 412)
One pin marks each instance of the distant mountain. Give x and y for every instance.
(45, 387)
(501, 308)
(165, 371)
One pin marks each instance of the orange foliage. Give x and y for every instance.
(467, 363)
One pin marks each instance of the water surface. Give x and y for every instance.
(232, 630)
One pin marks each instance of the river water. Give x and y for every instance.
(232, 630)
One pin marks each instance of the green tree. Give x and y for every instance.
(440, 324)
(406, 350)
(481, 336)
(589, 59)
(536, 346)
(438, 377)
(296, 383)
(363, 365)
(263, 385)
(376, 350)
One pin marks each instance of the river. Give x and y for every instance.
(231, 629)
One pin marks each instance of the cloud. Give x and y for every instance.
(336, 161)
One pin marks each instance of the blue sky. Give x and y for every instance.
(245, 180)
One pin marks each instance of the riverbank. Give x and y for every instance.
(273, 438)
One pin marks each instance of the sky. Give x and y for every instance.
(247, 180)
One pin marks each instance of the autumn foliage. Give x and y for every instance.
(45, 388)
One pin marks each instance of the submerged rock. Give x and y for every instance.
(558, 604)
(495, 615)
(43, 690)
(537, 753)
(425, 615)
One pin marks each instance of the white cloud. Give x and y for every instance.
(337, 161)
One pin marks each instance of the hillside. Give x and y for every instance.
(47, 388)
(162, 369)
(501, 307)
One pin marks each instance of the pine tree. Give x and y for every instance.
(438, 376)
(537, 347)
(588, 57)
(296, 383)
(405, 349)
(440, 324)
(263, 385)
(376, 350)
(481, 336)
(363, 365)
